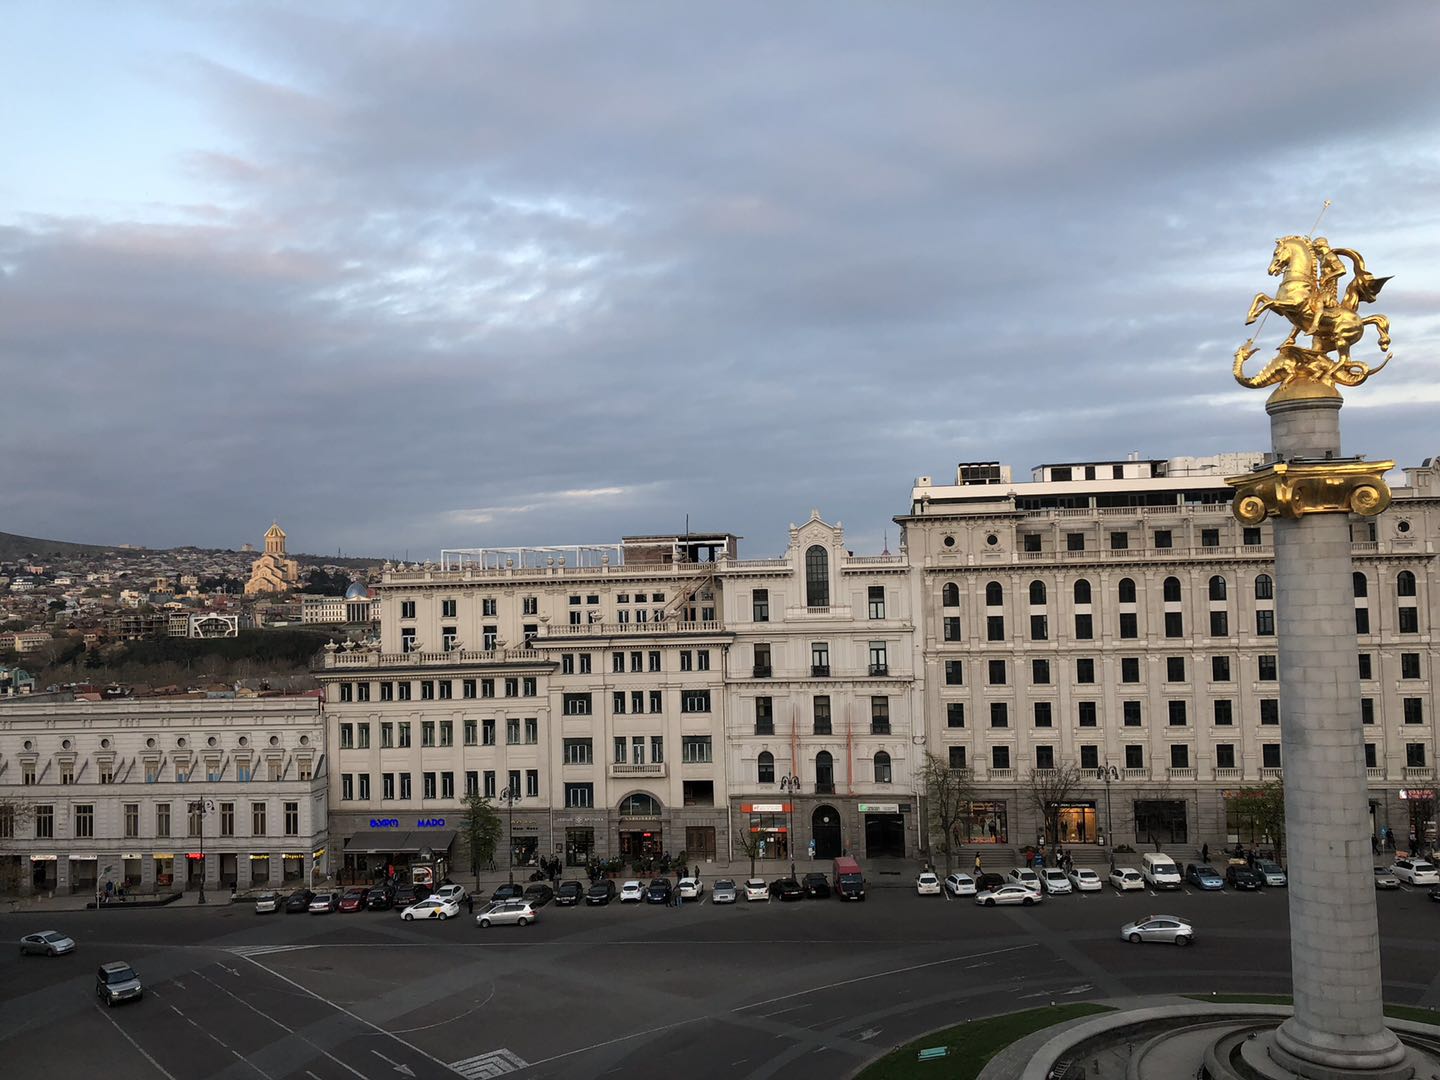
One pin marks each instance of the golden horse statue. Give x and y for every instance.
(1309, 297)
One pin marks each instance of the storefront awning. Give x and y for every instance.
(381, 842)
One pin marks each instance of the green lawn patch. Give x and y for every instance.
(971, 1045)
(1399, 1012)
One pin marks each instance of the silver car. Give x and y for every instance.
(46, 943)
(507, 913)
(724, 892)
(268, 903)
(1272, 872)
(116, 982)
(1167, 928)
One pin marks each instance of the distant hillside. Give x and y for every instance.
(14, 546)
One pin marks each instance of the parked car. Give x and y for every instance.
(817, 886)
(927, 884)
(353, 900)
(1023, 875)
(539, 894)
(1008, 894)
(323, 903)
(1083, 879)
(600, 893)
(1434, 893)
(568, 893)
(990, 882)
(1384, 879)
(1272, 873)
(509, 891)
(381, 898)
(632, 892)
(432, 907)
(298, 902)
(787, 888)
(1240, 876)
(508, 913)
(116, 982)
(1167, 928)
(960, 885)
(690, 888)
(1159, 870)
(756, 889)
(267, 903)
(658, 891)
(1054, 881)
(1125, 878)
(46, 943)
(724, 892)
(405, 895)
(451, 891)
(1415, 872)
(1204, 876)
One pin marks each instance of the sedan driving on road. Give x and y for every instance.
(632, 892)
(1054, 881)
(116, 982)
(960, 885)
(601, 893)
(267, 903)
(46, 943)
(1167, 928)
(1125, 878)
(1384, 879)
(1415, 872)
(433, 908)
(927, 884)
(1008, 894)
(508, 913)
(1084, 879)
(756, 889)
(1203, 876)
(724, 892)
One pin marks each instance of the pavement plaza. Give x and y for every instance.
(809, 989)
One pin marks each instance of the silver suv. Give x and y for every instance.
(116, 982)
(516, 912)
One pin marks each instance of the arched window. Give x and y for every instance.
(765, 767)
(994, 594)
(1264, 587)
(882, 767)
(1127, 591)
(1405, 583)
(1217, 588)
(824, 773)
(640, 805)
(1037, 592)
(1082, 591)
(950, 595)
(1362, 583)
(1172, 590)
(817, 577)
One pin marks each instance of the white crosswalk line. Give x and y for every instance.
(483, 1066)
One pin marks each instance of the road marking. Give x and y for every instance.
(282, 1027)
(404, 1070)
(140, 1049)
(867, 1034)
(449, 1020)
(215, 1038)
(495, 1063)
(247, 951)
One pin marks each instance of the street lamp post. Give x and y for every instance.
(790, 785)
(201, 807)
(509, 797)
(1108, 773)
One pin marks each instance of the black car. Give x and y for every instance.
(817, 886)
(989, 882)
(569, 893)
(381, 898)
(659, 891)
(1242, 877)
(1434, 893)
(508, 891)
(405, 895)
(298, 902)
(787, 889)
(601, 893)
(539, 894)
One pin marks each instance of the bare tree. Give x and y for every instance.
(15, 816)
(1049, 789)
(948, 797)
(749, 843)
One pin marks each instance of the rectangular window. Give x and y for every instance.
(487, 688)
(1225, 755)
(347, 691)
(532, 730)
(472, 783)
(512, 731)
(292, 819)
(576, 704)
(580, 795)
(512, 687)
(999, 714)
(879, 659)
(1174, 624)
(1415, 755)
(487, 732)
(387, 691)
(1409, 620)
(1039, 628)
(764, 716)
(1266, 668)
(1164, 538)
(1370, 757)
(1176, 710)
(1265, 623)
(879, 715)
(1269, 711)
(653, 660)
(617, 663)
(387, 785)
(1031, 541)
(132, 820)
(695, 749)
(403, 691)
(447, 785)
(407, 639)
(404, 731)
(955, 714)
(637, 662)
(617, 702)
(1089, 757)
(427, 785)
(994, 627)
(1130, 713)
(1270, 755)
(1129, 669)
(760, 605)
(821, 709)
(1134, 756)
(695, 701)
(257, 819)
(487, 783)
(1040, 672)
(954, 672)
(448, 638)
(1044, 757)
(819, 659)
(1085, 670)
(532, 783)
(1000, 757)
(657, 748)
(877, 601)
(1074, 541)
(447, 733)
(1174, 669)
(1219, 624)
(578, 752)
(1409, 666)
(472, 732)
(1224, 712)
(1367, 710)
(951, 625)
(364, 787)
(657, 703)
(1084, 627)
(1179, 756)
(1087, 713)
(1129, 626)
(405, 782)
(996, 672)
(447, 609)
(1220, 669)
(1042, 714)
(427, 733)
(957, 757)
(407, 609)
(1119, 541)
(362, 736)
(1414, 710)
(347, 737)
(1209, 538)
(362, 691)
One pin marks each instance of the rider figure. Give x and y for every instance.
(1327, 293)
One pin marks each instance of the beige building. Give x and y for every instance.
(272, 572)
(1115, 615)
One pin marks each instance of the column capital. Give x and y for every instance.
(1318, 486)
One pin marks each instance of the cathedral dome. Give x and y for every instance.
(358, 590)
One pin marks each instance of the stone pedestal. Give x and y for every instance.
(1338, 1028)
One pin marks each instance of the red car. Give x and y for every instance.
(354, 899)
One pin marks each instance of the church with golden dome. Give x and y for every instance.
(272, 572)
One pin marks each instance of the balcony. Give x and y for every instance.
(1141, 773)
(361, 659)
(623, 769)
(611, 629)
(1226, 773)
(761, 671)
(1375, 772)
(1419, 772)
(764, 727)
(1000, 774)
(879, 669)
(819, 671)
(824, 788)
(1271, 774)
(799, 614)
(879, 728)
(1178, 773)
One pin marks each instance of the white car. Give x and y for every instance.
(690, 888)
(1126, 878)
(1415, 872)
(960, 885)
(927, 884)
(632, 892)
(756, 889)
(268, 903)
(454, 893)
(1008, 894)
(1055, 881)
(1023, 875)
(436, 907)
(1085, 880)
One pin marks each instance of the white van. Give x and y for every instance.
(1159, 870)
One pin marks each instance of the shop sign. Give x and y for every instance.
(765, 808)
(84, 858)
(879, 808)
(131, 855)
(258, 858)
(196, 855)
(1419, 794)
(44, 858)
(317, 853)
(384, 823)
(430, 823)
(163, 855)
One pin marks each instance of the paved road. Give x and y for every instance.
(810, 988)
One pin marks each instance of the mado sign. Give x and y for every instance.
(430, 823)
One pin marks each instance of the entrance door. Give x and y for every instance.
(825, 828)
(884, 836)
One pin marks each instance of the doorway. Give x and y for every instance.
(884, 836)
(825, 829)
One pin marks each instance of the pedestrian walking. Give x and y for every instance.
(470, 902)
(1204, 853)
(977, 864)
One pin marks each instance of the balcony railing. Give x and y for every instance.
(824, 788)
(1226, 773)
(341, 659)
(879, 669)
(1177, 773)
(1375, 772)
(1135, 774)
(1418, 772)
(761, 671)
(653, 768)
(877, 728)
(613, 629)
(1271, 774)
(819, 671)
(1000, 774)
(764, 727)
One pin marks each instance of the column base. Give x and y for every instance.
(1384, 1059)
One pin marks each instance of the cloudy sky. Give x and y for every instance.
(410, 276)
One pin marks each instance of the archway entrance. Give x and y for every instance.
(825, 830)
